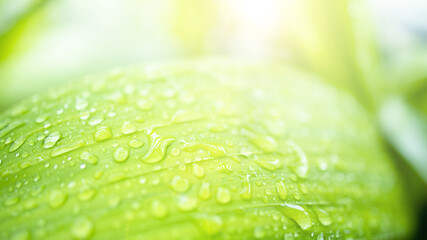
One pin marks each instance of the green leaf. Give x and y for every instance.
(194, 150)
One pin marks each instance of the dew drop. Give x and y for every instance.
(95, 120)
(17, 144)
(57, 198)
(41, 118)
(179, 184)
(186, 203)
(281, 190)
(158, 147)
(205, 191)
(270, 165)
(121, 154)
(323, 216)
(301, 168)
(214, 150)
(259, 232)
(88, 157)
(144, 105)
(81, 103)
(223, 195)
(198, 171)
(297, 214)
(135, 143)
(158, 209)
(210, 225)
(246, 192)
(51, 140)
(11, 201)
(103, 134)
(265, 143)
(86, 195)
(128, 128)
(82, 228)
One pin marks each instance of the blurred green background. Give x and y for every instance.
(374, 49)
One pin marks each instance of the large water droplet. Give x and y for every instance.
(17, 144)
(121, 154)
(158, 209)
(297, 214)
(259, 232)
(158, 147)
(88, 157)
(81, 103)
(103, 134)
(87, 194)
(323, 217)
(51, 139)
(269, 164)
(11, 201)
(82, 228)
(179, 184)
(246, 192)
(281, 190)
(265, 143)
(214, 150)
(57, 198)
(205, 191)
(128, 128)
(223, 195)
(210, 225)
(66, 148)
(135, 143)
(186, 203)
(198, 171)
(301, 168)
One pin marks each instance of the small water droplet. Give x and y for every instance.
(179, 184)
(121, 154)
(223, 195)
(51, 139)
(82, 228)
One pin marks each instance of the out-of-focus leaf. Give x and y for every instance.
(406, 129)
